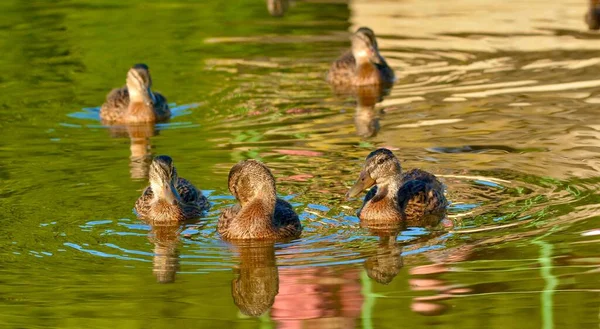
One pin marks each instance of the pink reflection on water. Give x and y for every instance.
(317, 298)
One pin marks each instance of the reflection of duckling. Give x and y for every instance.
(166, 255)
(257, 283)
(366, 119)
(277, 7)
(387, 262)
(169, 197)
(363, 65)
(259, 214)
(139, 135)
(592, 16)
(415, 198)
(136, 102)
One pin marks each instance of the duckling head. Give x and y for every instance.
(381, 167)
(139, 83)
(364, 46)
(251, 180)
(163, 180)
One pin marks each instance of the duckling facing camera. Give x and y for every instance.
(136, 102)
(169, 198)
(414, 198)
(363, 64)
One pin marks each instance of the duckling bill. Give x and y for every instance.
(259, 214)
(363, 64)
(136, 102)
(414, 198)
(169, 197)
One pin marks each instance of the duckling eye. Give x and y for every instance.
(380, 161)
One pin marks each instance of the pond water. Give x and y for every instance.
(497, 98)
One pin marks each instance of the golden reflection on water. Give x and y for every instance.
(492, 26)
(257, 277)
(166, 254)
(140, 146)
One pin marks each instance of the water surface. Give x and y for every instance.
(499, 99)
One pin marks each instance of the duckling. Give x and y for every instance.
(415, 198)
(135, 102)
(362, 65)
(259, 214)
(169, 197)
(592, 16)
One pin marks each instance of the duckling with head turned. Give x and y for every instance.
(169, 198)
(135, 102)
(259, 214)
(414, 198)
(362, 65)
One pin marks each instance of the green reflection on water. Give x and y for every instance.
(263, 96)
(551, 282)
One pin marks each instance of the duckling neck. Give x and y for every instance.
(366, 72)
(140, 112)
(388, 188)
(255, 219)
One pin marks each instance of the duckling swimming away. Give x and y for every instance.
(259, 214)
(362, 65)
(169, 197)
(415, 198)
(135, 102)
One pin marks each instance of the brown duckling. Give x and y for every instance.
(592, 16)
(415, 198)
(362, 65)
(169, 197)
(259, 214)
(135, 102)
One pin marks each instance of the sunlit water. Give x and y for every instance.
(498, 99)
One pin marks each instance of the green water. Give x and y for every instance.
(499, 100)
